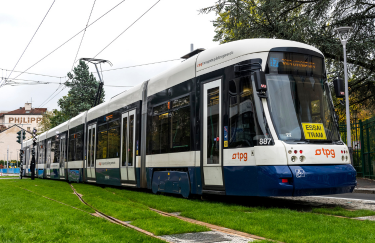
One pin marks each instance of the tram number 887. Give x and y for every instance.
(265, 141)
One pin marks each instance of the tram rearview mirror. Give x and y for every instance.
(339, 86)
(260, 81)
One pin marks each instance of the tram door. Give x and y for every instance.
(212, 150)
(91, 148)
(48, 157)
(62, 156)
(128, 147)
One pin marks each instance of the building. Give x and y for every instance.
(26, 117)
(13, 121)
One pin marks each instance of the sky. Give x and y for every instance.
(164, 33)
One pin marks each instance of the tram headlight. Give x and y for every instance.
(343, 158)
(302, 158)
(293, 159)
(346, 158)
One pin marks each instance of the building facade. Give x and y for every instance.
(13, 121)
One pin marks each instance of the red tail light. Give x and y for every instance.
(284, 180)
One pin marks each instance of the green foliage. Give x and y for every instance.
(81, 96)
(312, 22)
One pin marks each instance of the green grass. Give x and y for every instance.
(27, 217)
(57, 190)
(139, 214)
(279, 224)
(339, 211)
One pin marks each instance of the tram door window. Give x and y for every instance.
(41, 152)
(243, 125)
(169, 129)
(62, 155)
(91, 146)
(212, 149)
(128, 149)
(48, 155)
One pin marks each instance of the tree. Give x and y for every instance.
(310, 22)
(45, 123)
(81, 96)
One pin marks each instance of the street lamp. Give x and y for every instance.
(343, 33)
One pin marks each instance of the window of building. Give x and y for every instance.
(169, 129)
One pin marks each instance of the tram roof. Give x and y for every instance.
(218, 57)
(60, 128)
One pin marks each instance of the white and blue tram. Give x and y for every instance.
(250, 118)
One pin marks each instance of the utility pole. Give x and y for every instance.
(32, 165)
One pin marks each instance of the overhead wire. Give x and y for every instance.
(71, 38)
(31, 39)
(141, 65)
(79, 47)
(37, 74)
(127, 28)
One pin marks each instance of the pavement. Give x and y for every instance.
(365, 185)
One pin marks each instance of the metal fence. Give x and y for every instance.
(363, 143)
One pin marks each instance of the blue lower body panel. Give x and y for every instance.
(171, 182)
(304, 180)
(55, 174)
(323, 179)
(108, 176)
(74, 175)
(257, 180)
(41, 173)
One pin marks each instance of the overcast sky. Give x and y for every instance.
(164, 33)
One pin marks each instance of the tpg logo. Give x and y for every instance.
(326, 152)
(240, 156)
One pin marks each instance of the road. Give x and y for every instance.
(360, 196)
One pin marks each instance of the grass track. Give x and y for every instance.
(27, 217)
(273, 223)
(339, 211)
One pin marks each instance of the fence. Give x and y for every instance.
(363, 143)
(10, 171)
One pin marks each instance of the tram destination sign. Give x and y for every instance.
(314, 131)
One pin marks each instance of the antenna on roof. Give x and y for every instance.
(193, 52)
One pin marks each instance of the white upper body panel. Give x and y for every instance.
(229, 53)
(178, 74)
(78, 120)
(130, 96)
(42, 137)
(58, 129)
(97, 111)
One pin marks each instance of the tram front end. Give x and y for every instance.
(297, 148)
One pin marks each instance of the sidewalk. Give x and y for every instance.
(365, 186)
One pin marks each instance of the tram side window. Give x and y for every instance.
(109, 140)
(71, 155)
(79, 146)
(101, 152)
(242, 117)
(114, 139)
(169, 130)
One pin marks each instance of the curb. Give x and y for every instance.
(364, 190)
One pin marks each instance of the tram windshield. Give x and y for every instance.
(299, 98)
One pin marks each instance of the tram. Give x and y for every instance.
(248, 118)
